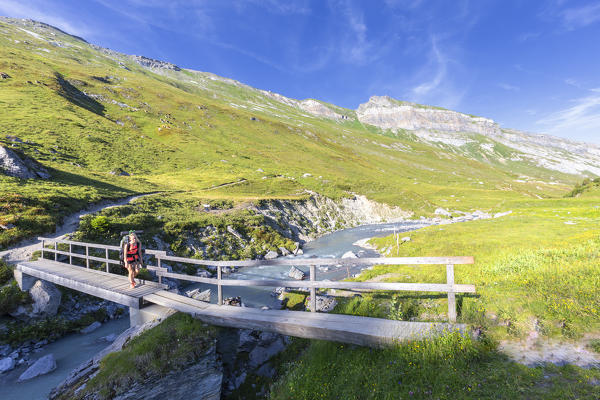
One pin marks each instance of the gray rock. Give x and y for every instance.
(349, 254)
(197, 294)
(203, 273)
(46, 299)
(6, 364)
(442, 211)
(284, 251)
(247, 340)
(91, 328)
(266, 370)
(324, 303)
(6, 226)
(42, 366)
(271, 255)
(296, 274)
(12, 165)
(235, 233)
(260, 354)
(5, 350)
(405, 239)
(233, 301)
(109, 338)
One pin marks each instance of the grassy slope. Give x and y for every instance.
(193, 131)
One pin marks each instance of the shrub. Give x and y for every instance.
(11, 297)
(100, 224)
(6, 273)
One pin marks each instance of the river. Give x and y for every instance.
(72, 350)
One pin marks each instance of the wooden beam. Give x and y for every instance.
(415, 287)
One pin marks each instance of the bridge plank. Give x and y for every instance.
(334, 327)
(96, 283)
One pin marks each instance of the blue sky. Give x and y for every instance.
(528, 64)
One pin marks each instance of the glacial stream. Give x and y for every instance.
(74, 349)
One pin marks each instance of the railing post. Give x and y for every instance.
(43, 245)
(106, 256)
(159, 265)
(87, 256)
(55, 251)
(313, 290)
(219, 288)
(451, 294)
(70, 254)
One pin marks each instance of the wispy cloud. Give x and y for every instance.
(579, 17)
(36, 10)
(582, 118)
(508, 87)
(440, 62)
(355, 46)
(283, 7)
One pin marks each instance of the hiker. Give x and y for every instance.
(132, 256)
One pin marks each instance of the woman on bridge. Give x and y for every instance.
(132, 254)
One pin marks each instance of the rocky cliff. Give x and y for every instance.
(308, 219)
(387, 113)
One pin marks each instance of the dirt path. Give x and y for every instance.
(24, 250)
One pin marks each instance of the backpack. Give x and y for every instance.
(122, 251)
(122, 244)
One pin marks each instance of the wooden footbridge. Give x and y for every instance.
(74, 265)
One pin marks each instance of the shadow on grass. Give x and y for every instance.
(77, 97)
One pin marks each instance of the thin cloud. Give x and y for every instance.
(441, 68)
(574, 18)
(282, 7)
(508, 87)
(30, 10)
(582, 118)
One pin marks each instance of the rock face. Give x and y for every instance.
(305, 220)
(271, 255)
(42, 366)
(319, 109)
(388, 113)
(202, 380)
(152, 63)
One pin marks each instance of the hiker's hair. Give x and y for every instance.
(135, 236)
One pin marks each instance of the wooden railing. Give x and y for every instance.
(87, 257)
(312, 284)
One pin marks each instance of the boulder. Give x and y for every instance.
(442, 211)
(109, 338)
(284, 251)
(349, 254)
(262, 353)
(203, 273)
(46, 299)
(271, 255)
(197, 294)
(247, 340)
(405, 239)
(324, 303)
(91, 328)
(233, 301)
(12, 165)
(4, 75)
(295, 273)
(6, 364)
(42, 366)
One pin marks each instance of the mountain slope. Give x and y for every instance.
(83, 112)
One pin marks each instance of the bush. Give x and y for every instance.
(12, 297)
(6, 273)
(100, 224)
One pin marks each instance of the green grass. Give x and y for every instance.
(449, 367)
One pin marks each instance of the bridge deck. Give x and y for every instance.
(335, 327)
(96, 283)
